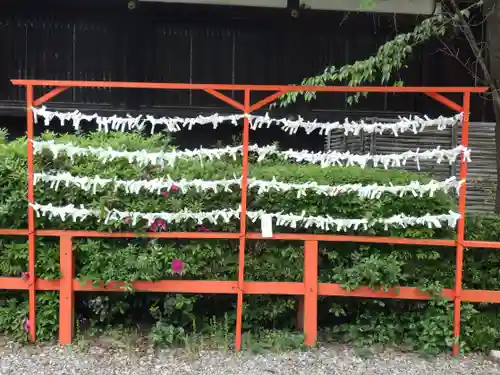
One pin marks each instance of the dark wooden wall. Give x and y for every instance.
(105, 40)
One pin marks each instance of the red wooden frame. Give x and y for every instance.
(308, 290)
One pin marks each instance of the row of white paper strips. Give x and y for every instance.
(285, 220)
(325, 159)
(158, 185)
(143, 157)
(130, 123)
(415, 124)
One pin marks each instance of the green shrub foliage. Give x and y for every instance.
(423, 325)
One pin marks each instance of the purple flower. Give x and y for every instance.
(26, 325)
(177, 265)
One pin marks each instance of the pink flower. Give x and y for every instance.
(177, 265)
(127, 220)
(174, 188)
(26, 325)
(159, 225)
(165, 194)
(25, 275)
(202, 228)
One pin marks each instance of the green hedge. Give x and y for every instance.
(350, 264)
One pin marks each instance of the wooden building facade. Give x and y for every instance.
(139, 41)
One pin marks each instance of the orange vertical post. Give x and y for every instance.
(310, 308)
(243, 222)
(461, 228)
(66, 294)
(31, 214)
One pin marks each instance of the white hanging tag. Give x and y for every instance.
(266, 224)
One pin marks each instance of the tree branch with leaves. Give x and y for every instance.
(391, 57)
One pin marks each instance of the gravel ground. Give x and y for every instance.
(332, 361)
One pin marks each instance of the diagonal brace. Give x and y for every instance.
(226, 99)
(444, 100)
(52, 93)
(266, 100)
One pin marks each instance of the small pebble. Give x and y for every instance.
(338, 360)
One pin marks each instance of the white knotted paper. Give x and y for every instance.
(415, 124)
(325, 223)
(143, 157)
(131, 123)
(159, 185)
(325, 159)
(81, 213)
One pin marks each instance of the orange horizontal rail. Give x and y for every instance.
(167, 235)
(283, 88)
(482, 244)
(13, 232)
(474, 295)
(167, 286)
(235, 236)
(353, 238)
(402, 292)
(249, 287)
(17, 283)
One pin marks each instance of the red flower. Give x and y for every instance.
(177, 265)
(165, 194)
(25, 275)
(159, 225)
(174, 188)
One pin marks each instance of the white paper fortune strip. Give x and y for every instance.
(130, 123)
(81, 213)
(414, 124)
(326, 223)
(158, 185)
(325, 159)
(329, 158)
(143, 157)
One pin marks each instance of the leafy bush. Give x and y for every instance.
(352, 265)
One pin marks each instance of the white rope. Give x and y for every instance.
(414, 124)
(326, 223)
(143, 157)
(130, 123)
(372, 191)
(325, 159)
(159, 185)
(81, 213)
